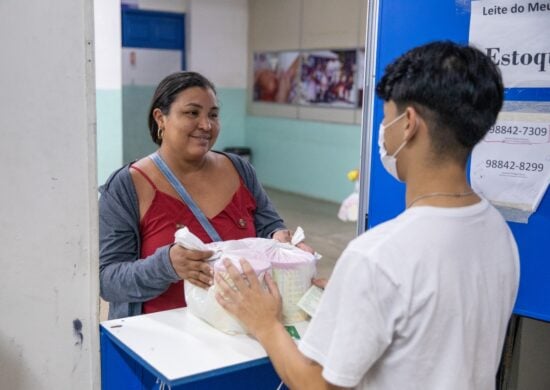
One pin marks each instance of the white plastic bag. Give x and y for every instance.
(203, 304)
(292, 269)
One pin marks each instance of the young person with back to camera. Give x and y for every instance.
(421, 301)
(184, 183)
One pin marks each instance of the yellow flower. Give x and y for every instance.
(353, 175)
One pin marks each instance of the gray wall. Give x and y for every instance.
(48, 222)
(531, 369)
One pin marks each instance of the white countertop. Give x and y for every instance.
(177, 344)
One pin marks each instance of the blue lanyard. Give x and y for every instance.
(184, 195)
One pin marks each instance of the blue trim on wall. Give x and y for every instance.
(527, 94)
(153, 30)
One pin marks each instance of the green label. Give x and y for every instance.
(292, 332)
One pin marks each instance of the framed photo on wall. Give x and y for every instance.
(360, 76)
(276, 77)
(328, 78)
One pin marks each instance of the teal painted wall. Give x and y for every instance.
(305, 157)
(135, 107)
(109, 132)
(232, 115)
(136, 101)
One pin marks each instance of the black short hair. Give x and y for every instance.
(167, 91)
(457, 89)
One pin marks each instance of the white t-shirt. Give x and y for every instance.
(419, 302)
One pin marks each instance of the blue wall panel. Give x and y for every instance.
(402, 25)
(153, 30)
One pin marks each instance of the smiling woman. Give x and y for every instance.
(184, 183)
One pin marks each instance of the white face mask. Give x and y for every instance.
(389, 161)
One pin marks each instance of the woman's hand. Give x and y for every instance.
(282, 235)
(191, 265)
(259, 310)
(286, 236)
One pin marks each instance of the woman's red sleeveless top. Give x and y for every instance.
(167, 214)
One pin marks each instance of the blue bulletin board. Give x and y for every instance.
(395, 26)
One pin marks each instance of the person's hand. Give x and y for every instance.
(191, 265)
(282, 235)
(305, 247)
(320, 282)
(286, 236)
(259, 310)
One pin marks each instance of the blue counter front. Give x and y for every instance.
(175, 350)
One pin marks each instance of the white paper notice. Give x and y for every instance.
(511, 166)
(516, 35)
(148, 66)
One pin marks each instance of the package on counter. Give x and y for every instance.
(203, 304)
(292, 268)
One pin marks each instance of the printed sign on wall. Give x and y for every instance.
(511, 166)
(516, 35)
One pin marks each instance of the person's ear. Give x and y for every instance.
(159, 118)
(413, 122)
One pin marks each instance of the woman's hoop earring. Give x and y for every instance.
(159, 133)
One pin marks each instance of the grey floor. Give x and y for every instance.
(324, 231)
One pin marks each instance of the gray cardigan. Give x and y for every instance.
(125, 281)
